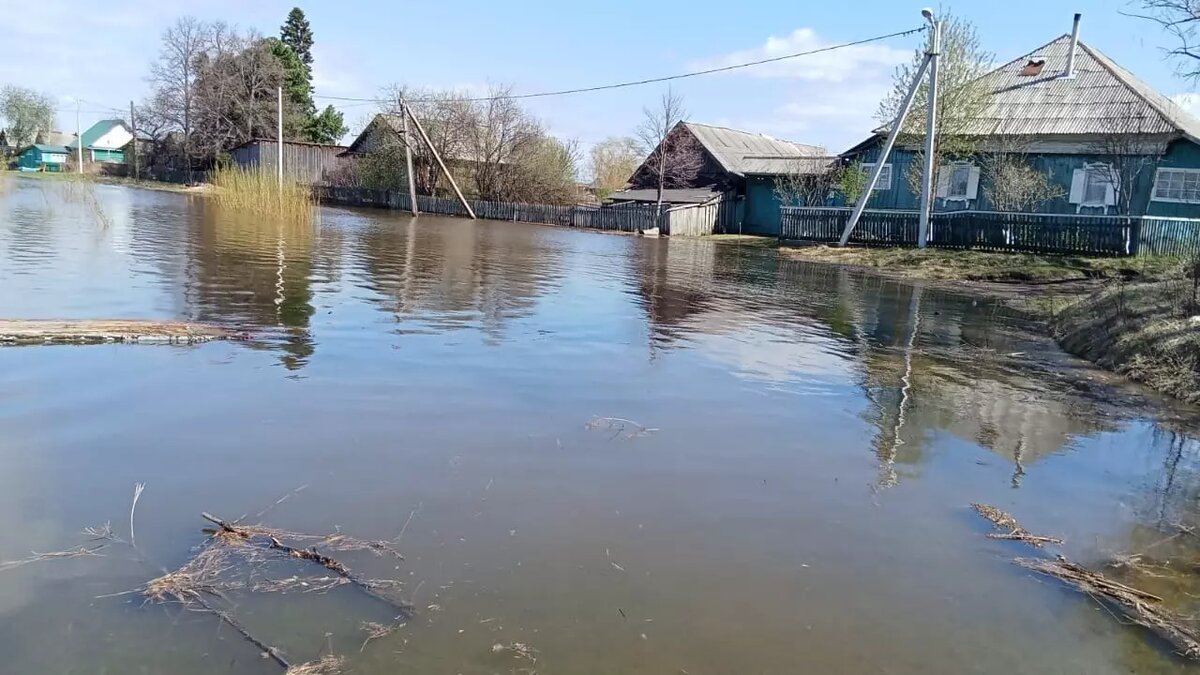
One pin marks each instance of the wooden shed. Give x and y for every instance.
(302, 162)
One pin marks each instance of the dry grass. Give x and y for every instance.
(257, 192)
(1015, 532)
(55, 555)
(1146, 331)
(984, 266)
(326, 665)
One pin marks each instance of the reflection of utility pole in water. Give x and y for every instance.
(1018, 455)
(887, 474)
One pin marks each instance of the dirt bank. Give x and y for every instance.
(1138, 317)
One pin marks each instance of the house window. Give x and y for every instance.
(1177, 185)
(1095, 189)
(960, 180)
(885, 176)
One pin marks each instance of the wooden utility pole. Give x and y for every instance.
(436, 156)
(279, 141)
(932, 53)
(412, 181)
(78, 139)
(133, 144)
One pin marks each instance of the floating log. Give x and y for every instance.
(102, 331)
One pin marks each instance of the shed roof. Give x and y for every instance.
(97, 131)
(672, 196)
(739, 151)
(56, 149)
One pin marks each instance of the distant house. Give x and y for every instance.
(104, 142)
(41, 157)
(302, 162)
(730, 157)
(1109, 142)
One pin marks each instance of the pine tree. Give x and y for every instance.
(296, 33)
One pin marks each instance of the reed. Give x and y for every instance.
(258, 192)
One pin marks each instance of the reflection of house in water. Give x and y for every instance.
(915, 354)
(453, 273)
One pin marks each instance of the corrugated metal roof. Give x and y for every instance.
(97, 130)
(1101, 98)
(56, 149)
(672, 196)
(736, 151)
(775, 165)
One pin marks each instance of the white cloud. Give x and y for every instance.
(826, 99)
(839, 65)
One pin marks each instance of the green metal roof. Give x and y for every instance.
(97, 130)
(57, 149)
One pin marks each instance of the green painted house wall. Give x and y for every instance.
(761, 213)
(108, 155)
(1059, 167)
(42, 158)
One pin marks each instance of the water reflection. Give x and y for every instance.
(821, 432)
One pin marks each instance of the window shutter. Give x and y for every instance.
(1078, 182)
(943, 181)
(973, 183)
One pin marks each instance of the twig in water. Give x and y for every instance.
(137, 494)
(620, 427)
(1015, 532)
(56, 555)
(233, 623)
(405, 527)
(376, 630)
(104, 532)
(326, 665)
(279, 501)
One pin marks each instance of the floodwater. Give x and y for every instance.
(795, 498)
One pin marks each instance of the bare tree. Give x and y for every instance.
(1127, 151)
(173, 75)
(809, 181)
(674, 157)
(1181, 19)
(1011, 181)
(961, 99)
(234, 96)
(500, 132)
(446, 117)
(613, 162)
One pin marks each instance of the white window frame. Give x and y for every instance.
(882, 184)
(950, 196)
(1158, 176)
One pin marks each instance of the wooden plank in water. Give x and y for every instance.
(92, 331)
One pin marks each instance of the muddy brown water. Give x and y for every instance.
(802, 506)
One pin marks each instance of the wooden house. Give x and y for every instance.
(1107, 141)
(41, 157)
(104, 142)
(730, 156)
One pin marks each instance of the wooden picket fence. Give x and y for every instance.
(998, 231)
(719, 215)
(623, 219)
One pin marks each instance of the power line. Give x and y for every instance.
(653, 80)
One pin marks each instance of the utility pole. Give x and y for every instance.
(436, 156)
(932, 54)
(78, 139)
(886, 150)
(279, 141)
(133, 144)
(412, 181)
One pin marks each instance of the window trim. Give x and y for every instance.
(1104, 170)
(879, 187)
(1154, 188)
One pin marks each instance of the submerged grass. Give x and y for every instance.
(257, 192)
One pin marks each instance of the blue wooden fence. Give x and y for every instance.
(998, 231)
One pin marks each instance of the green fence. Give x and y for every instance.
(997, 231)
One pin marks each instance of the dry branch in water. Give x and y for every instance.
(326, 665)
(1004, 521)
(619, 426)
(55, 555)
(375, 631)
(1138, 606)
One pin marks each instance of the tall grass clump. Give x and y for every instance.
(257, 192)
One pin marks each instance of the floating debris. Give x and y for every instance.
(519, 650)
(1004, 521)
(620, 427)
(39, 332)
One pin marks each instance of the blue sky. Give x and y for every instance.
(363, 45)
